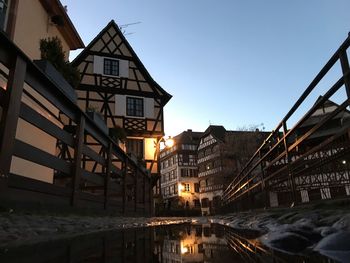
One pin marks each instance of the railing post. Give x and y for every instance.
(346, 70)
(125, 174)
(151, 208)
(108, 175)
(144, 192)
(78, 150)
(263, 183)
(10, 115)
(290, 175)
(135, 188)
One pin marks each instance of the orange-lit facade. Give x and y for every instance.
(179, 172)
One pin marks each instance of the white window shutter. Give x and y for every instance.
(98, 65)
(124, 68)
(120, 105)
(149, 107)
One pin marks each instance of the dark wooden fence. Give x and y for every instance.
(311, 160)
(99, 176)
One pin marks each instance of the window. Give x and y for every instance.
(135, 147)
(189, 173)
(111, 67)
(196, 188)
(196, 203)
(172, 174)
(205, 202)
(185, 158)
(134, 107)
(187, 187)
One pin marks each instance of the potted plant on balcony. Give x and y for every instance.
(117, 133)
(96, 116)
(53, 64)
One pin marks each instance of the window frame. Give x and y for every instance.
(112, 70)
(135, 107)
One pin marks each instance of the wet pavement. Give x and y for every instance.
(165, 244)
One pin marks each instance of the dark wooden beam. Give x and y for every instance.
(121, 91)
(344, 61)
(78, 150)
(135, 188)
(108, 174)
(125, 174)
(10, 115)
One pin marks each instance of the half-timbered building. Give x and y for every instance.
(116, 84)
(179, 172)
(221, 155)
(322, 173)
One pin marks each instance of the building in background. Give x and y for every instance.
(323, 172)
(179, 172)
(221, 156)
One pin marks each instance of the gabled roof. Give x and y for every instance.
(314, 119)
(188, 137)
(161, 92)
(218, 131)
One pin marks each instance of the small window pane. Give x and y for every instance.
(111, 67)
(134, 107)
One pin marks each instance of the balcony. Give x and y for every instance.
(210, 172)
(207, 158)
(52, 155)
(211, 188)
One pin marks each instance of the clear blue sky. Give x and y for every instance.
(226, 62)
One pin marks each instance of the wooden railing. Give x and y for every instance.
(285, 156)
(52, 154)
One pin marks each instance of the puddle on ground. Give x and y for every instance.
(163, 244)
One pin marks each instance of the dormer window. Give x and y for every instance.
(111, 67)
(134, 107)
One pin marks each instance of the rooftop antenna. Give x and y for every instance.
(122, 28)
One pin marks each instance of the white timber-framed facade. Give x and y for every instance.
(116, 84)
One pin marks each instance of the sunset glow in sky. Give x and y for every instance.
(226, 62)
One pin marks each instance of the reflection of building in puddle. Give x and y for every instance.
(217, 244)
(195, 243)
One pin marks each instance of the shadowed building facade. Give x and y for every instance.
(221, 156)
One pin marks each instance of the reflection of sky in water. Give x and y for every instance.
(163, 244)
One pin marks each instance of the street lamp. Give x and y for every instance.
(167, 142)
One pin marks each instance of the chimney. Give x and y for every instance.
(189, 133)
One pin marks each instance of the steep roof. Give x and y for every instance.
(218, 131)
(188, 137)
(158, 89)
(315, 118)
